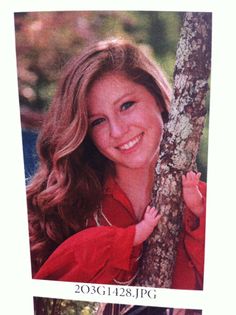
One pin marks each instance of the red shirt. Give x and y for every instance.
(104, 253)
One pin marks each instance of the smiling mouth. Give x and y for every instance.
(130, 144)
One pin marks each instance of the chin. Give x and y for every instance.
(140, 164)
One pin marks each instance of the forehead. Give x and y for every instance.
(112, 80)
(112, 86)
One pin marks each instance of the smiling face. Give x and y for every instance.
(125, 122)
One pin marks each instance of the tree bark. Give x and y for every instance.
(179, 147)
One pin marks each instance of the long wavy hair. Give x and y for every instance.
(68, 185)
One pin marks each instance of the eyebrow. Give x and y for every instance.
(123, 96)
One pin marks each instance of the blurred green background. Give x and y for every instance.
(49, 306)
(46, 40)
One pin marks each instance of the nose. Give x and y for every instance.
(118, 127)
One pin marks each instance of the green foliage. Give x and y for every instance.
(46, 40)
(47, 306)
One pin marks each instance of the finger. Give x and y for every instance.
(158, 214)
(157, 218)
(153, 211)
(186, 179)
(199, 175)
(148, 209)
(196, 177)
(188, 176)
(192, 175)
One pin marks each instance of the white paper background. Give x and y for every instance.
(218, 296)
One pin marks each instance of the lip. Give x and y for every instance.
(130, 145)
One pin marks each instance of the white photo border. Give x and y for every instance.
(217, 296)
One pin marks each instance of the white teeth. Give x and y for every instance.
(130, 144)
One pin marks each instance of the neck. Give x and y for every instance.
(137, 185)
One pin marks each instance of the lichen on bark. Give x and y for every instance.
(179, 147)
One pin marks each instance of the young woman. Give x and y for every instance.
(88, 202)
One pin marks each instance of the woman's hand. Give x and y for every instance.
(191, 193)
(145, 227)
(151, 217)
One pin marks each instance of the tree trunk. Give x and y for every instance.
(179, 147)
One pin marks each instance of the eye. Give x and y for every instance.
(126, 105)
(97, 122)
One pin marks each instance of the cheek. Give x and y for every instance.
(153, 116)
(99, 139)
(157, 127)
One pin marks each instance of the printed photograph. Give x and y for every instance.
(65, 307)
(114, 111)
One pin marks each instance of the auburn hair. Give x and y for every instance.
(68, 185)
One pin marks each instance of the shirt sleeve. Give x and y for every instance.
(89, 253)
(194, 239)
